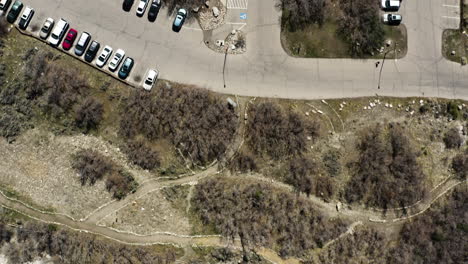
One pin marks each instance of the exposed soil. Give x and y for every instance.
(149, 214)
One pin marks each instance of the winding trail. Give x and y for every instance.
(90, 225)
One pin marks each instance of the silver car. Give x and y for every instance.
(46, 28)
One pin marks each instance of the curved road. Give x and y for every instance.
(265, 69)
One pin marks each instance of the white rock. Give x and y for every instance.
(390, 105)
(215, 11)
(323, 101)
(307, 113)
(313, 111)
(386, 104)
(320, 112)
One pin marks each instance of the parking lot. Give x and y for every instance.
(265, 69)
(451, 14)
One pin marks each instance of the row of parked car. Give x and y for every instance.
(391, 6)
(154, 6)
(53, 33)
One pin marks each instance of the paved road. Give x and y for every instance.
(265, 70)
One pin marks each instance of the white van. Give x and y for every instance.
(58, 32)
(4, 5)
(390, 5)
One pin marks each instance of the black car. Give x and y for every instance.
(127, 5)
(4, 5)
(154, 10)
(14, 11)
(92, 51)
(126, 68)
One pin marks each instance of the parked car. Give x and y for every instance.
(4, 5)
(126, 68)
(150, 79)
(154, 10)
(179, 20)
(83, 42)
(92, 51)
(391, 19)
(141, 7)
(26, 18)
(69, 39)
(105, 54)
(46, 28)
(14, 11)
(116, 60)
(390, 5)
(127, 5)
(58, 32)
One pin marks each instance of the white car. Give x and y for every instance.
(391, 19)
(151, 78)
(58, 32)
(390, 5)
(105, 54)
(26, 18)
(116, 60)
(46, 28)
(141, 7)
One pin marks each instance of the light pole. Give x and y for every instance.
(224, 65)
(383, 61)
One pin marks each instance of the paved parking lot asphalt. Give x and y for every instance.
(265, 69)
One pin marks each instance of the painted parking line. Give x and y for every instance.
(237, 4)
(453, 6)
(449, 17)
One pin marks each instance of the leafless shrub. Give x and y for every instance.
(437, 236)
(301, 173)
(262, 215)
(35, 240)
(141, 154)
(331, 161)
(460, 165)
(91, 166)
(243, 162)
(89, 114)
(360, 26)
(186, 116)
(297, 14)
(3, 27)
(272, 132)
(452, 138)
(388, 173)
(364, 245)
(120, 183)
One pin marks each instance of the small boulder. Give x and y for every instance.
(215, 11)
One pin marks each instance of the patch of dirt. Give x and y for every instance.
(149, 214)
(38, 166)
(206, 18)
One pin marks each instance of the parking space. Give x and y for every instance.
(450, 14)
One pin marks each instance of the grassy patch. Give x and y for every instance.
(454, 41)
(323, 41)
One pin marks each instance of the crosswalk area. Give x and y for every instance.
(237, 4)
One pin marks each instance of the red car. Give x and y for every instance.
(69, 39)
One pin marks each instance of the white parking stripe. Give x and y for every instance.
(451, 17)
(237, 4)
(454, 6)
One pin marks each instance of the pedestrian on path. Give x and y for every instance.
(377, 64)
